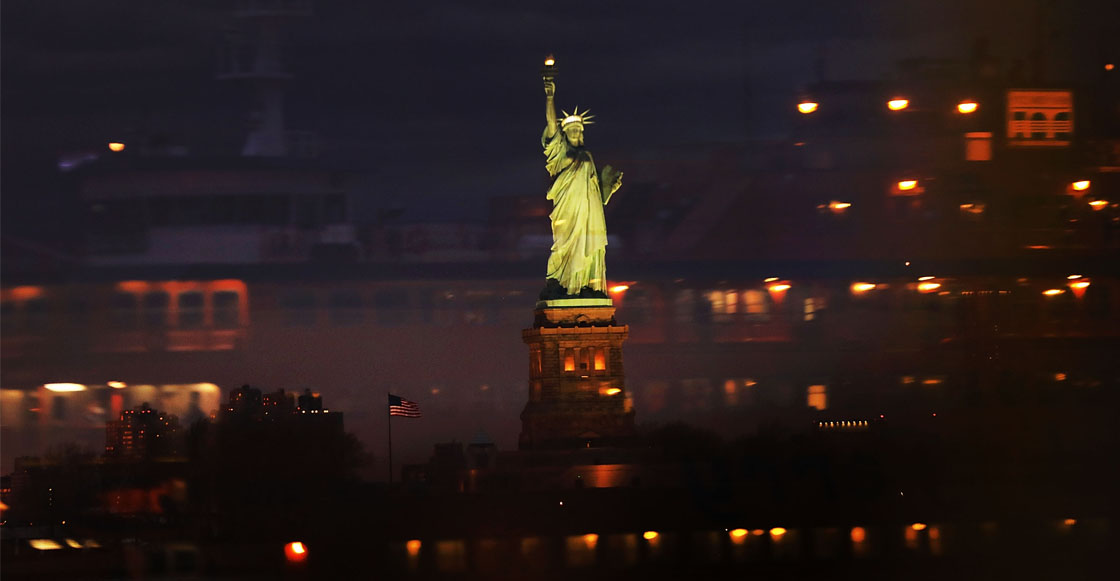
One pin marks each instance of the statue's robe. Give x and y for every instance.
(579, 230)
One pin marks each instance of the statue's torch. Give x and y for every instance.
(549, 71)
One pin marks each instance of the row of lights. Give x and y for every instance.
(965, 107)
(843, 424)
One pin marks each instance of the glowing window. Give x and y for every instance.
(600, 359)
(569, 360)
(757, 302)
(818, 397)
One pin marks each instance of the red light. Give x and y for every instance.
(296, 552)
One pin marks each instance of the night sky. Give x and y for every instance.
(442, 101)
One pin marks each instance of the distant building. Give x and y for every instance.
(143, 434)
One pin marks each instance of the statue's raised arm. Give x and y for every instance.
(577, 263)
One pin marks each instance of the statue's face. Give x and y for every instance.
(574, 131)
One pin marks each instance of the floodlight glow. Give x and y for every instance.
(898, 104)
(807, 107)
(64, 387)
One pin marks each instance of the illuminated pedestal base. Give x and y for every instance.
(577, 391)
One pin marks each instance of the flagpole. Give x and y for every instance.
(389, 421)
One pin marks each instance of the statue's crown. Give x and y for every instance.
(584, 118)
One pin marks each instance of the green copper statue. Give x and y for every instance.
(577, 265)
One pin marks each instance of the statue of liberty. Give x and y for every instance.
(577, 264)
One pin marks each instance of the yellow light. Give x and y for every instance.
(1098, 204)
(612, 391)
(967, 107)
(73, 544)
(1074, 276)
(1079, 284)
(1081, 185)
(413, 547)
(918, 526)
(548, 62)
(806, 107)
(650, 535)
(116, 146)
(862, 287)
(771, 279)
(839, 207)
(906, 185)
(926, 278)
(928, 286)
(117, 384)
(619, 288)
(64, 387)
(974, 209)
(1053, 292)
(778, 287)
(898, 104)
(738, 533)
(859, 534)
(1069, 522)
(44, 544)
(777, 532)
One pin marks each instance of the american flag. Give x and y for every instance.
(399, 406)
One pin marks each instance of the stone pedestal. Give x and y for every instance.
(577, 391)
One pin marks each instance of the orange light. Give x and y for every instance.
(974, 209)
(918, 526)
(777, 532)
(859, 534)
(1098, 205)
(23, 293)
(590, 539)
(612, 391)
(1081, 185)
(1079, 284)
(757, 532)
(1053, 292)
(806, 107)
(116, 146)
(777, 288)
(1109, 66)
(295, 551)
(413, 547)
(967, 107)
(928, 286)
(738, 533)
(907, 185)
(898, 104)
(117, 384)
(862, 287)
(650, 535)
(619, 288)
(839, 207)
(1069, 522)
